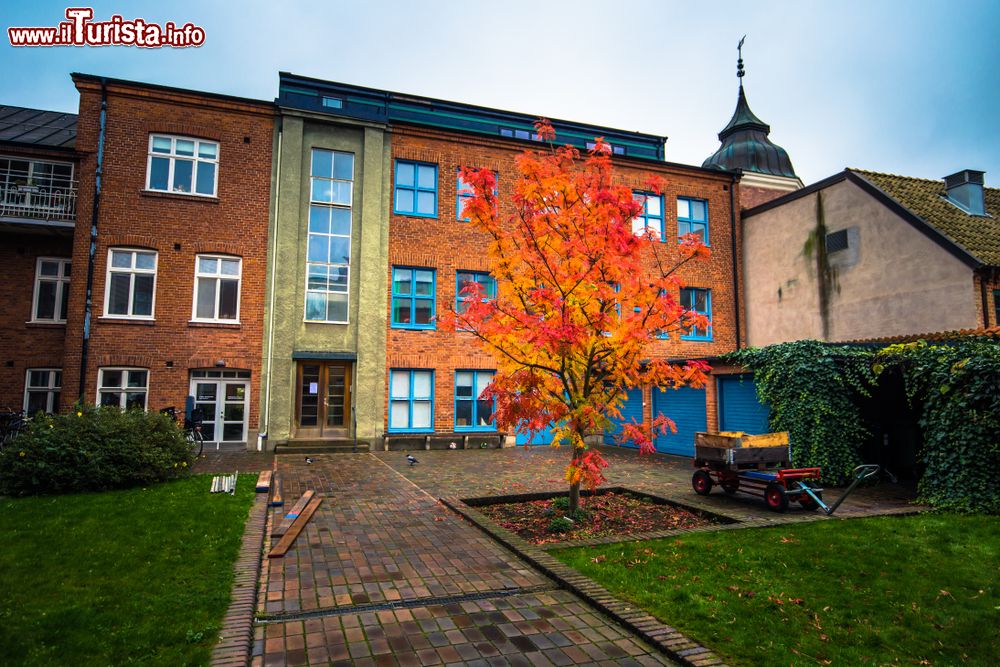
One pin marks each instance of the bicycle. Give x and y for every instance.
(11, 425)
(192, 429)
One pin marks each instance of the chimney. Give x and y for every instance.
(965, 190)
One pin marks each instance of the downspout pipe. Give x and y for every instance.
(270, 315)
(735, 242)
(95, 210)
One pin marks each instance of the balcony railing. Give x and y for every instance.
(35, 197)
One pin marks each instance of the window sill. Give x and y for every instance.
(110, 319)
(414, 327)
(159, 194)
(214, 325)
(464, 429)
(429, 431)
(698, 339)
(324, 322)
(42, 324)
(408, 214)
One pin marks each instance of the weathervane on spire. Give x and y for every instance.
(740, 73)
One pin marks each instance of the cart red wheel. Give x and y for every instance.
(776, 497)
(730, 486)
(808, 502)
(702, 482)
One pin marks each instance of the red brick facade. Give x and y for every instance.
(448, 246)
(25, 344)
(178, 227)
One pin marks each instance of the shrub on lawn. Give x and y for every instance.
(93, 449)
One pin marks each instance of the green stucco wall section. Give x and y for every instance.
(364, 335)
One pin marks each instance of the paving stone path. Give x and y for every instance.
(456, 596)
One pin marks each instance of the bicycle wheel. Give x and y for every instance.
(196, 440)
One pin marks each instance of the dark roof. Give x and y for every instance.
(36, 127)
(925, 198)
(385, 106)
(745, 145)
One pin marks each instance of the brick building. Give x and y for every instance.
(168, 300)
(38, 189)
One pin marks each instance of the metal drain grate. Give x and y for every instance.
(402, 604)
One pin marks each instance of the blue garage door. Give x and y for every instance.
(739, 407)
(543, 437)
(631, 410)
(686, 406)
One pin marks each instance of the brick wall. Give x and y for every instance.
(178, 227)
(448, 246)
(24, 344)
(751, 196)
(987, 278)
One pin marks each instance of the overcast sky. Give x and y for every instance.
(909, 87)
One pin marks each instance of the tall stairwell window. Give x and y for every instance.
(328, 255)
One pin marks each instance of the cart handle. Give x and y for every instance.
(864, 471)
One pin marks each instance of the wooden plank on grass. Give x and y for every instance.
(298, 525)
(264, 481)
(297, 508)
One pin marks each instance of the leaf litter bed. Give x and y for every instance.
(607, 515)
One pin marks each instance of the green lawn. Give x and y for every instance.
(890, 590)
(124, 577)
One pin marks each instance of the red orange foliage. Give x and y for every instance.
(580, 298)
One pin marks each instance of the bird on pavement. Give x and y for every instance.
(309, 459)
(411, 459)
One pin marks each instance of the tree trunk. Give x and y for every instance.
(574, 488)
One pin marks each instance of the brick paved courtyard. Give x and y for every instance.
(386, 575)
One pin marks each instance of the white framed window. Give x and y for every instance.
(217, 288)
(42, 387)
(51, 290)
(124, 388)
(328, 246)
(182, 165)
(130, 288)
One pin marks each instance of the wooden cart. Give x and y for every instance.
(756, 465)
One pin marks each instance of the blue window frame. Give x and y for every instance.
(517, 133)
(615, 148)
(692, 218)
(467, 278)
(699, 301)
(472, 412)
(411, 400)
(416, 189)
(413, 298)
(463, 192)
(652, 213)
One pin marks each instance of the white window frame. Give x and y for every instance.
(173, 157)
(51, 406)
(350, 237)
(218, 292)
(62, 289)
(122, 390)
(132, 271)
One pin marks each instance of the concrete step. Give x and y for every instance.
(322, 446)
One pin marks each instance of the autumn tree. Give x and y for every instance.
(582, 292)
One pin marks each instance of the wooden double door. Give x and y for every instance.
(323, 400)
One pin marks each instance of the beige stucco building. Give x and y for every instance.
(898, 256)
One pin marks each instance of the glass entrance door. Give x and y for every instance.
(324, 399)
(223, 397)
